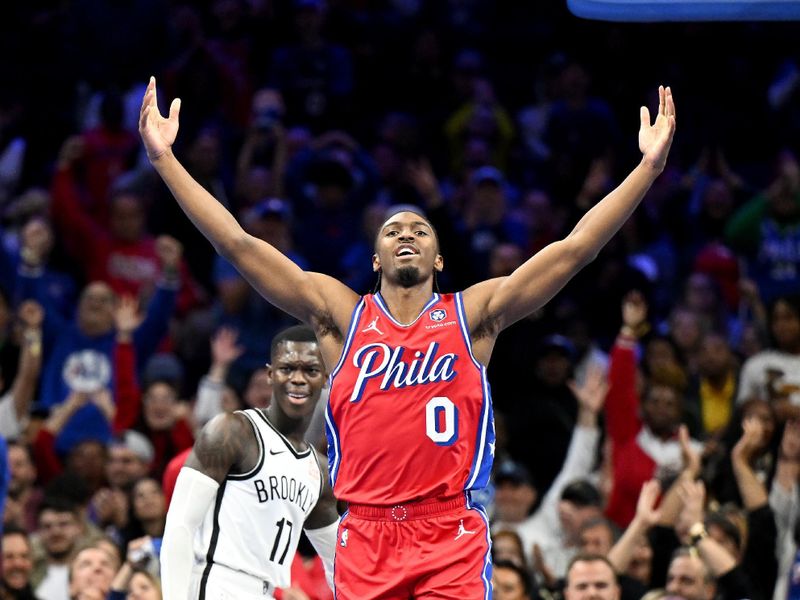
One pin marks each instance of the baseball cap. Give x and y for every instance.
(136, 443)
(509, 470)
(488, 174)
(163, 367)
(582, 493)
(558, 342)
(272, 207)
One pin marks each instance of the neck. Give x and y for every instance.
(291, 428)
(405, 304)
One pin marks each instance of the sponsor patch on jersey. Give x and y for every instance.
(438, 314)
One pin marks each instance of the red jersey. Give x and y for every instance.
(409, 414)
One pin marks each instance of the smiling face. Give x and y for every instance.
(297, 376)
(406, 250)
(17, 562)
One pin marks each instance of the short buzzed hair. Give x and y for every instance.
(296, 333)
(586, 557)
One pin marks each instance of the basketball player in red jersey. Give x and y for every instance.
(409, 418)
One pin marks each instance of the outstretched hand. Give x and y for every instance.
(656, 139)
(158, 133)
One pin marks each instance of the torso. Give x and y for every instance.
(409, 415)
(256, 521)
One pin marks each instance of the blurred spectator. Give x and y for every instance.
(314, 75)
(121, 252)
(774, 373)
(510, 581)
(15, 404)
(134, 579)
(91, 573)
(591, 576)
(766, 231)
(711, 396)
(60, 529)
(641, 426)
(544, 421)
(16, 564)
(24, 495)
(507, 545)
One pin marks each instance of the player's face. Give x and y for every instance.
(406, 250)
(297, 376)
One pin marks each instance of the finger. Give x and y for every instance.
(153, 89)
(644, 116)
(174, 109)
(670, 103)
(661, 100)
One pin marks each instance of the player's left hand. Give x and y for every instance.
(656, 139)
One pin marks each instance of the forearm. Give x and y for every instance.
(30, 364)
(718, 560)
(621, 553)
(754, 494)
(122, 578)
(193, 496)
(606, 217)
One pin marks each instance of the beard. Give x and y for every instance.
(408, 276)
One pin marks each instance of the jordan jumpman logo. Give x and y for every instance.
(373, 326)
(463, 530)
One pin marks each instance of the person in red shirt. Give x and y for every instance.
(644, 443)
(121, 253)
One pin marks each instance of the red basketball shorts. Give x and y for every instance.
(433, 549)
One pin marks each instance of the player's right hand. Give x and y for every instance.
(158, 133)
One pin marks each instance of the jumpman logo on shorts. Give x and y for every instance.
(373, 326)
(463, 530)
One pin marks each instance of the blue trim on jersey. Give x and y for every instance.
(331, 431)
(334, 445)
(354, 318)
(484, 457)
(382, 306)
(462, 324)
(486, 574)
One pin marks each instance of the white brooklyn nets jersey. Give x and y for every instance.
(255, 524)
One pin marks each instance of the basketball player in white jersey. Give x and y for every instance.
(248, 487)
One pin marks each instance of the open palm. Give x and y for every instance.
(656, 139)
(158, 133)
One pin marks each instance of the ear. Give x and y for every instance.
(438, 263)
(376, 263)
(268, 369)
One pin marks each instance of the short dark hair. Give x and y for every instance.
(521, 572)
(59, 504)
(296, 333)
(582, 493)
(602, 522)
(14, 529)
(587, 557)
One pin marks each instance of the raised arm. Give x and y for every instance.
(308, 296)
(500, 302)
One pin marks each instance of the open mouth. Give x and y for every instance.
(406, 250)
(297, 398)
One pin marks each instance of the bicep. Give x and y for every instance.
(219, 446)
(509, 299)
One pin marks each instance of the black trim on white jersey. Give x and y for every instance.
(261, 450)
(291, 448)
(321, 475)
(212, 546)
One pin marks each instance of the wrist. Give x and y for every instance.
(697, 533)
